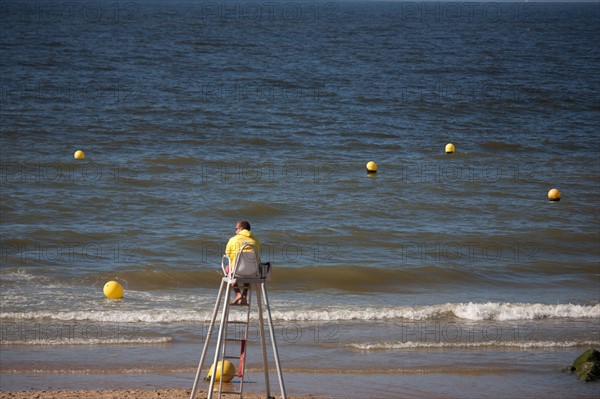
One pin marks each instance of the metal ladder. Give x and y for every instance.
(224, 337)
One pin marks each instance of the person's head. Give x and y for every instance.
(242, 225)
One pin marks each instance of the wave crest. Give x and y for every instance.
(383, 346)
(470, 311)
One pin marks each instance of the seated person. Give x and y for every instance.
(243, 235)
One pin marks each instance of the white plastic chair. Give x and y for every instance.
(247, 265)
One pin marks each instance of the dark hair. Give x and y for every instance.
(243, 224)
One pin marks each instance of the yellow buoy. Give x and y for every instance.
(554, 195)
(449, 148)
(113, 290)
(371, 167)
(79, 154)
(228, 371)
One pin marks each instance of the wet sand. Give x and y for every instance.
(129, 394)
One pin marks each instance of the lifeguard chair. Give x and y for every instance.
(248, 273)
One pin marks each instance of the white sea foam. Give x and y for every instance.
(112, 316)
(18, 275)
(89, 341)
(524, 311)
(398, 345)
(469, 311)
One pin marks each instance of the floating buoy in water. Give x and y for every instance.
(371, 167)
(113, 290)
(554, 195)
(79, 154)
(228, 371)
(449, 148)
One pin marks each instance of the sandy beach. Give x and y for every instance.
(125, 393)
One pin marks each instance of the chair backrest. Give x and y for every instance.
(247, 262)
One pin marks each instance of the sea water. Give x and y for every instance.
(442, 275)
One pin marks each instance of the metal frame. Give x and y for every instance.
(261, 299)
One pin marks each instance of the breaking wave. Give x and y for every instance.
(386, 346)
(464, 311)
(89, 341)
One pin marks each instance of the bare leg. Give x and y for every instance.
(238, 296)
(244, 300)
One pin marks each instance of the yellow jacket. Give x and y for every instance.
(236, 243)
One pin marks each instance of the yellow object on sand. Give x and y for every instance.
(228, 372)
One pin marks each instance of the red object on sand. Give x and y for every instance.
(242, 358)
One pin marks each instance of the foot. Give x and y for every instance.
(238, 299)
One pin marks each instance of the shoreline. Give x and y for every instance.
(529, 376)
(173, 393)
